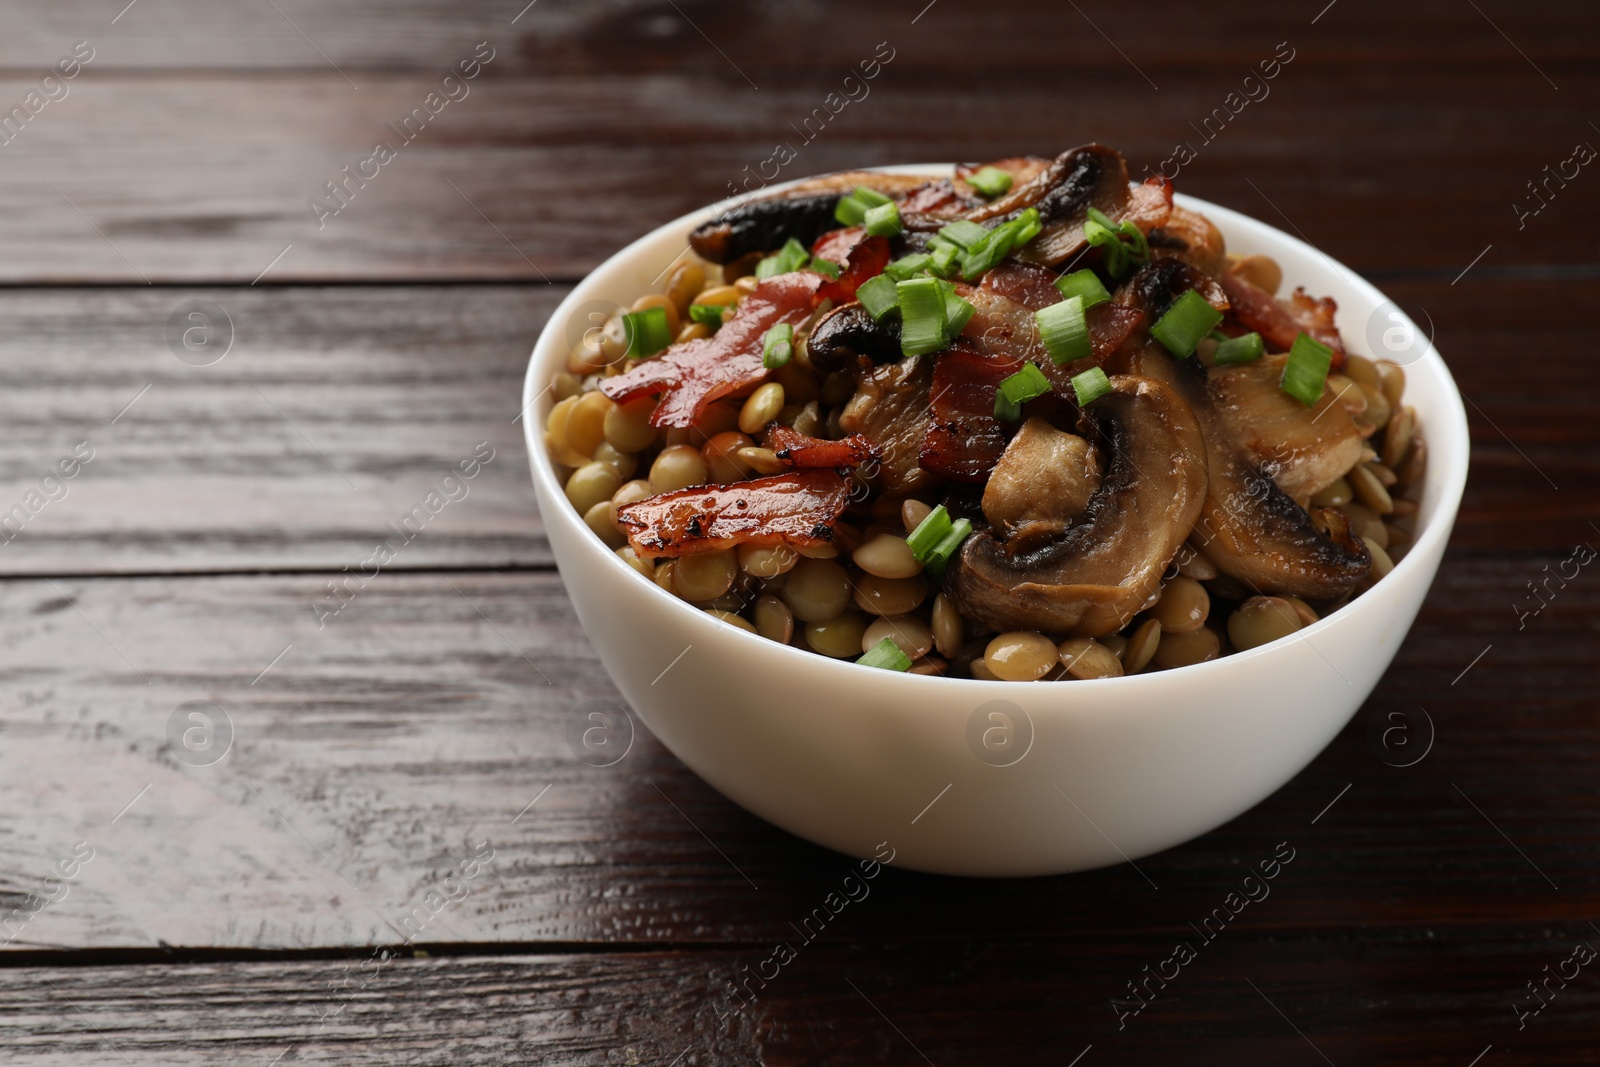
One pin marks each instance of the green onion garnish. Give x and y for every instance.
(852, 209)
(1000, 242)
(1064, 331)
(792, 256)
(1085, 284)
(956, 310)
(944, 259)
(883, 220)
(922, 316)
(1021, 387)
(826, 267)
(908, 266)
(1090, 386)
(936, 539)
(990, 182)
(886, 655)
(1028, 227)
(1123, 243)
(777, 346)
(964, 234)
(646, 331)
(1307, 369)
(706, 315)
(1186, 322)
(1244, 349)
(878, 296)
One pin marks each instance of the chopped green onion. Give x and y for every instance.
(1090, 386)
(792, 256)
(999, 243)
(706, 315)
(1123, 244)
(1028, 227)
(944, 259)
(1021, 387)
(878, 296)
(777, 346)
(990, 182)
(1307, 369)
(936, 539)
(1064, 332)
(956, 310)
(1084, 284)
(1185, 323)
(826, 267)
(886, 655)
(1245, 349)
(646, 331)
(852, 209)
(908, 266)
(883, 220)
(922, 316)
(964, 234)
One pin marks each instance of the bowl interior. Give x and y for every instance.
(640, 267)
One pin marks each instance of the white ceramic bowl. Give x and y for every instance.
(1097, 772)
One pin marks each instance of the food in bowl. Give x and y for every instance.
(1028, 422)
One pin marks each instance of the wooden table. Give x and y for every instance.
(395, 857)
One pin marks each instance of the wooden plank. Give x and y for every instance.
(1423, 996)
(215, 170)
(395, 386)
(371, 758)
(1029, 36)
(335, 412)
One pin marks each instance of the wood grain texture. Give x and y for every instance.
(630, 107)
(377, 753)
(334, 414)
(1388, 1000)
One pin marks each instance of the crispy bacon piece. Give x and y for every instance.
(801, 450)
(837, 245)
(1279, 322)
(797, 509)
(940, 199)
(691, 375)
(866, 259)
(964, 440)
(1003, 322)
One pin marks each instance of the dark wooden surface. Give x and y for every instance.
(245, 910)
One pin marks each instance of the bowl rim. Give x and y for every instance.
(1448, 453)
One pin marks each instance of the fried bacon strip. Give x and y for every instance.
(964, 440)
(690, 376)
(797, 509)
(1279, 322)
(801, 450)
(865, 259)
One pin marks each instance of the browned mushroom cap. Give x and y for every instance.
(1249, 527)
(1090, 580)
(804, 213)
(1063, 192)
(848, 332)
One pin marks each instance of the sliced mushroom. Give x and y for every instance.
(1249, 527)
(1078, 179)
(890, 409)
(1095, 576)
(1045, 476)
(847, 334)
(1304, 450)
(804, 213)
